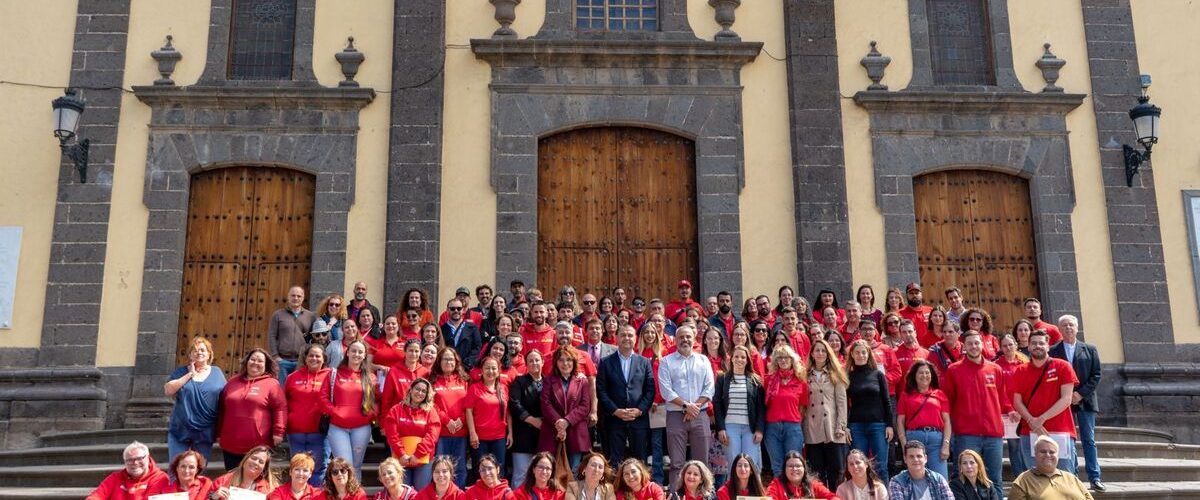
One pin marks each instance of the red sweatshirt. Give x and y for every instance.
(885, 356)
(651, 491)
(346, 410)
(779, 491)
(430, 493)
(284, 492)
(252, 413)
(977, 398)
(533, 339)
(542, 493)
(119, 486)
(357, 495)
(303, 390)
(1055, 334)
(448, 396)
(396, 384)
(198, 490)
(801, 344)
(226, 480)
(481, 491)
(787, 396)
(405, 421)
(723, 493)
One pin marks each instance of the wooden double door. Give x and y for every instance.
(249, 239)
(616, 207)
(975, 231)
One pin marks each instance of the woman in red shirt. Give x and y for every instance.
(184, 477)
(923, 414)
(429, 352)
(741, 336)
(650, 344)
(633, 482)
(490, 485)
(253, 409)
(695, 482)
(299, 470)
(401, 375)
(487, 419)
(797, 483)
(340, 483)
(416, 298)
(253, 473)
(786, 397)
(542, 486)
(442, 487)
(412, 325)
(1009, 360)
(352, 407)
(391, 476)
(714, 348)
(496, 348)
(744, 480)
(412, 429)
(304, 388)
(388, 350)
(449, 392)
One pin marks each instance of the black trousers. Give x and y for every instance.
(620, 435)
(827, 460)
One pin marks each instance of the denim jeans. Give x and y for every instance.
(658, 446)
(1067, 460)
(455, 447)
(741, 440)
(933, 449)
(1086, 420)
(176, 445)
(494, 447)
(520, 465)
(285, 368)
(350, 445)
(782, 437)
(1016, 459)
(992, 451)
(314, 444)
(871, 439)
(418, 477)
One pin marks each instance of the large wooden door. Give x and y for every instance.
(249, 239)
(974, 231)
(616, 207)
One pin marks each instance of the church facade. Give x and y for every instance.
(237, 147)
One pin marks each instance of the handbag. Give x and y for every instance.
(562, 464)
(323, 426)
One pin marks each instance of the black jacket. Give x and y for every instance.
(524, 401)
(614, 393)
(469, 341)
(756, 398)
(1087, 370)
(963, 491)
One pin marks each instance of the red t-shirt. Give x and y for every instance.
(977, 398)
(906, 356)
(1009, 369)
(780, 491)
(1055, 334)
(651, 491)
(923, 410)
(385, 354)
(786, 397)
(430, 493)
(540, 340)
(1058, 373)
(991, 345)
(920, 318)
(449, 394)
(303, 389)
(284, 492)
(801, 344)
(488, 408)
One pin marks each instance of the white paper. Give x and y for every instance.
(170, 496)
(1010, 428)
(10, 258)
(244, 494)
(1062, 438)
(658, 418)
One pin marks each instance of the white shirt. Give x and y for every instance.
(688, 378)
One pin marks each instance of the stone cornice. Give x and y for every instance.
(243, 97)
(615, 53)
(927, 101)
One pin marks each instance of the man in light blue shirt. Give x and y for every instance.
(685, 380)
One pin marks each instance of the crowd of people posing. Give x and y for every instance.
(599, 399)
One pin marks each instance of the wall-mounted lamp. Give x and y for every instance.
(67, 111)
(1145, 124)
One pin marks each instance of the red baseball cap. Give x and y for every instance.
(912, 286)
(683, 283)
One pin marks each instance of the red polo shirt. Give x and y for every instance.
(920, 317)
(976, 392)
(1057, 373)
(923, 409)
(488, 409)
(1055, 334)
(906, 356)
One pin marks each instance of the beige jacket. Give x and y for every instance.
(575, 489)
(826, 410)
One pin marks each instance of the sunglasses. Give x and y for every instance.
(339, 472)
(320, 334)
(455, 308)
(638, 304)
(760, 330)
(589, 302)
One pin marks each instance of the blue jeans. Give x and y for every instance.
(1067, 460)
(1086, 420)
(455, 447)
(658, 446)
(520, 465)
(176, 445)
(314, 444)
(782, 437)
(285, 368)
(741, 440)
(350, 445)
(933, 449)
(871, 439)
(494, 447)
(418, 477)
(992, 451)
(1016, 459)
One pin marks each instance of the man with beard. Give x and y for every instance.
(625, 388)
(484, 293)
(536, 334)
(1042, 395)
(948, 351)
(975, 388)
(916, 310)
(683, 302)
(460, 334)
(762, 304)
(723, 320)
(637, 316)
(1086, 361)
(134, 480)
(910, 351)
(1033, 313)
(800, 341)
(360, 302)
(954, 297)
(566, 312)
(685, 380)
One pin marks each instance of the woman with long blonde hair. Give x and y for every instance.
(825, 427)
(786, 398)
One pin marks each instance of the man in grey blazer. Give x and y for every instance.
(593, 345)
(1084, 404)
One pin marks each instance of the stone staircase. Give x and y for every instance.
(1137, 463)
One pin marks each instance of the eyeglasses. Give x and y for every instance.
(335, 304)
(638, 304)
(320, 334)
(892, 323)
(974, 318)
(134, 460)
(544, 468)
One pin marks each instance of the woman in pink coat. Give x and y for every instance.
(566, 403)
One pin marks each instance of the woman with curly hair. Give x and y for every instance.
(340, 483)
(634, 483)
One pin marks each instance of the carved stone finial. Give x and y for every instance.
(166, 57)
(350, 58)
(1050, 64)
(506, 13)
(725, 17)
(875, 63)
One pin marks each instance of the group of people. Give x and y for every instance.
(694, 397)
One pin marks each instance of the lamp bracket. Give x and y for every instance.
(1133, 162)
(78, 153)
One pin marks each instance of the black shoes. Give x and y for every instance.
(1098, 485)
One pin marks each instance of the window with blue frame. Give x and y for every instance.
(616, 15)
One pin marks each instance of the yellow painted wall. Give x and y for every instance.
(768, 243)
(150, 21)
(1166, 39)
(39, 53)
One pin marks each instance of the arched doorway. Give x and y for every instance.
(249, 238)
(975, 231)
(616, 207)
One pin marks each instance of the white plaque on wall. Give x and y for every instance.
(10, 258)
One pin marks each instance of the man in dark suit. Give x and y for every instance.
(625, 388)
(593, 345)
(461, 334)
(1086, 361)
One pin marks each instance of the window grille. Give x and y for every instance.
(262, 39)
(616, 15)
(960, 42)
